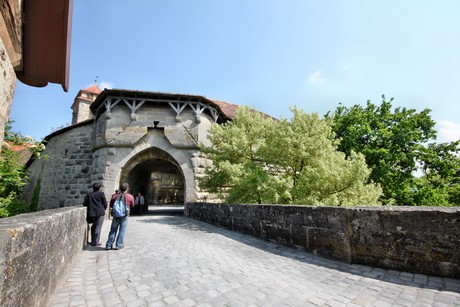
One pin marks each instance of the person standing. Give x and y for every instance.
(95, 204)
(140, 202)
(119, 224)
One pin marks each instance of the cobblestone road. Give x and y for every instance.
(178, 261)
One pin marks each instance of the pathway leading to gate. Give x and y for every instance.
(178, 261)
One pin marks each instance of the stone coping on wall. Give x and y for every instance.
(423, 240)
(36, 251)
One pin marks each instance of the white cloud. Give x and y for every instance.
(105, 84)
(448, 131)
(316, 78)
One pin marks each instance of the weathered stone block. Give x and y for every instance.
(181, 137)
(36, 252)
(7, 87)
(59, 172)
(328, 243)
(414, 239)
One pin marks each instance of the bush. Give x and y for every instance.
(12, 205)
(13, 174)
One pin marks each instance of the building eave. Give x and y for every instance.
(224, 112)
(46, 44)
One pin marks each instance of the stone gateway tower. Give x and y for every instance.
(149, 139)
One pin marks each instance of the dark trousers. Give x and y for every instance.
(96, 229)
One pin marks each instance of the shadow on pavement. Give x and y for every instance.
(391, 276)
(162, 210)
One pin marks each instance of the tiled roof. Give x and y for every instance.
(24, 154)
(93, 89)
(227, 108)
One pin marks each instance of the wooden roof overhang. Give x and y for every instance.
(226, 110)
(46, 42)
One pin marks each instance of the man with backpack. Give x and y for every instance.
(121, 203)
(95, 204)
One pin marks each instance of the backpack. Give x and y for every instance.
(119, 208)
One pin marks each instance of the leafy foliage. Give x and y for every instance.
(396, 144)
(12, 173)
(259, 160)
(12, 205)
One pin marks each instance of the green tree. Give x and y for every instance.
(238, 172)
(396, 144)
(441, 168)
(260, 160)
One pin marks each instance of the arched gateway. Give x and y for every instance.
(156, 175)
(150, 140)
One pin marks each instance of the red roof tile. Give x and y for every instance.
(227, 108)
(93, 89)
(24, 154)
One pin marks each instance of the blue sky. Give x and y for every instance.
(267, 54)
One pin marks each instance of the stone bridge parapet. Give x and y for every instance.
(36, 251)
(423, 240)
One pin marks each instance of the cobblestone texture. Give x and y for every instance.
(178, 261)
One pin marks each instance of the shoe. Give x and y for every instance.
(98, 244)
(121, 247)
(108, 248)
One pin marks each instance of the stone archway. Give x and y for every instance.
(155, 174)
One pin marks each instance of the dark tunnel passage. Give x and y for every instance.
(156, 176)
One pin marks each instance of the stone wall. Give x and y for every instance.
(153, 134)
(36, 252)
(7, 86)
(102, 150)
(63, 178)
(81, 111)
(422, 240)
(10, 56)
(120, 138)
